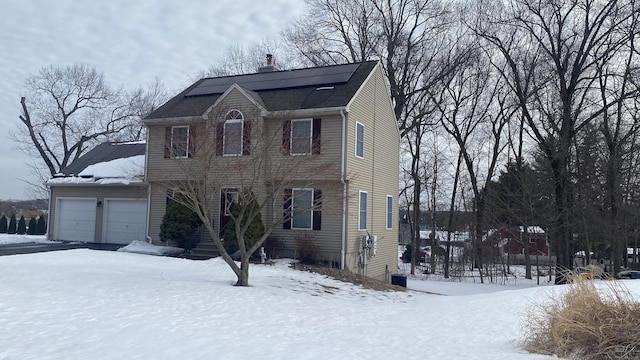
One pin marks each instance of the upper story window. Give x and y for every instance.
(362, 210)
(179, 141)
(359, 140)
(233, 135)
(301, 137)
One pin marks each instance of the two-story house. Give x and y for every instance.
(335, 129)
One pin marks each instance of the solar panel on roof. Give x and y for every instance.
(278, 79)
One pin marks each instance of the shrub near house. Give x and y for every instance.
(179, 224)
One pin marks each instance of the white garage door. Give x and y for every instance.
(125, 221)
(76, 220)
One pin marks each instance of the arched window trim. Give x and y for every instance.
(233, 116)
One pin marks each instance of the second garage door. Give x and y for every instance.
(125, 221)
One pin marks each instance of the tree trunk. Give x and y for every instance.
(527, 246)
(416, 252)
(243, 274)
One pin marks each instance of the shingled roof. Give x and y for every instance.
(103, 153)
(310, 88)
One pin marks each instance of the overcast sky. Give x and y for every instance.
(131, 42)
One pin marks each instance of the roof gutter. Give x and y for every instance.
(171, 120)
(303, 112)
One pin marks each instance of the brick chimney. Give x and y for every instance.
(270, 67)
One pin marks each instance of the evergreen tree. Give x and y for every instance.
(31, 230)
(254, 231)
(3, 225)
(178, 224)
(22, 226)
(12, 225)
(41, 228)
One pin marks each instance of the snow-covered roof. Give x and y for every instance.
(533, 229)
(106, 164)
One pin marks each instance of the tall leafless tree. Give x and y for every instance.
(68, 110)
(553, 51)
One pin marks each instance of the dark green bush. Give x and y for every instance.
(22, 226)
(41, 227)
(179, 224)
(3, 224)
(33, 224)
(13, 227)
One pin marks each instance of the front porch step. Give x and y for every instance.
(204, 251)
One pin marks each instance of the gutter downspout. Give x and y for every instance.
(49, 214)
(146, 164)
(344, 190)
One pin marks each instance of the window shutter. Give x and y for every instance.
(286, 137)
(192, 141)
(246, 138)
(167, 142)
(287, 209)
(315, 142)
(317, 209)
(219, 138)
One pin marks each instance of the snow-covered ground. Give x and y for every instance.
(86, 304)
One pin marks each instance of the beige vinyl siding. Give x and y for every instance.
(377, 174)
(157, 208)
(326, 165)
(328, 238)
(100, 193)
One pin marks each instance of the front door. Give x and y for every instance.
(228, 197)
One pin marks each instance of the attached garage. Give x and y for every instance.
(124, 221)
(101, 197)
(76, 219)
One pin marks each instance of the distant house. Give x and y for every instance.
(101, 196)
(340, 114)
(514, 241)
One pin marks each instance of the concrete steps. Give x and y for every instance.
(204, 251)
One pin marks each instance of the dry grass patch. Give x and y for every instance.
(589, 321)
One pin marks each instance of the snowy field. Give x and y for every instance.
(86, 304)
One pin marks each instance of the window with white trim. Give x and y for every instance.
(362, 210)
(233, 127)
(180, 141)
(301, 136)
(302, 209)
(359, 140)
(389, 212)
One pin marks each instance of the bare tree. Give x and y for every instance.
(239, 59)
(69, 110)
(471, 115)
(553, 51)
(263, 177)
